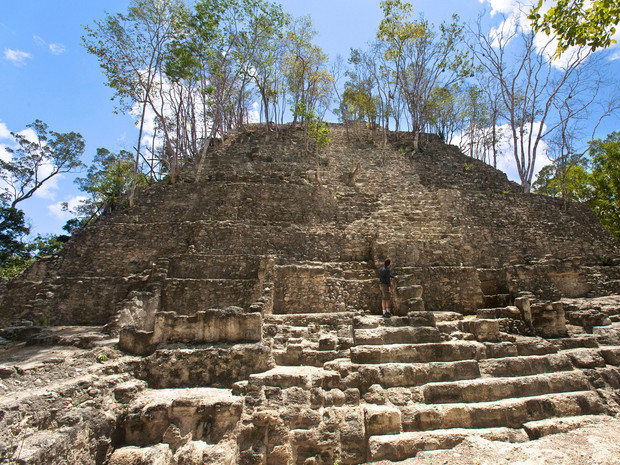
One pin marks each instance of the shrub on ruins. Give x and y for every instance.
(107, 181)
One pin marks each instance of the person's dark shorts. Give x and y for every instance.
(385, 291)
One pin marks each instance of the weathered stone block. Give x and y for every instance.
(483, 330)
(382, 420)
(421, 318)
(135, 341)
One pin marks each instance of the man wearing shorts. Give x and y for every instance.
(386, 287)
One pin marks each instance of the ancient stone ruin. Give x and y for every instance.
(234, 317)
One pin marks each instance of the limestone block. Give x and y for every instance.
(421, 318)
(587, 318)
(218, 366)
(399, 395)
(125, 392)
(586, 358)
(608, 335)
(6, 371)
(375, 395)
(231, 324)
(483, 330)
(159, 454)
(352, 437)
(352, 396)
(611, 355)
(523, 304)
(399, 335)
(328, 343)
(335, 397)
(135, 341)
(541, 428)
(548, 319)
(382, 420)
(409, 292)
(415, 304)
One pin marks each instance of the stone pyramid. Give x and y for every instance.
(247, 295)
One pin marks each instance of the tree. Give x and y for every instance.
(574, 184)
(34, 163)
(423, 59)
(575, 23)
(532, 86)
(131, 49)
(108, 179)
(606, 181)
(12, 229)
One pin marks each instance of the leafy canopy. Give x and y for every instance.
(577, 22)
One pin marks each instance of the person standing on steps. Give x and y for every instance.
(385, 284)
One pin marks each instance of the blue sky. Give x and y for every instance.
(45, 72)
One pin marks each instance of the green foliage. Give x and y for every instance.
(599, 187)
(317, 130)
(12, 229)
(575, 22)
(108, 178)
(16, 254)
(578, 183)
(425, 64)
(605, 199)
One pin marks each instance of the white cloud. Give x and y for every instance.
(17, 57)
(4, 132)
(254, 115)
(506, 160)
(57, 210)
(39, 41)
(5, 139)
(54, 49)
(29, 134)
(57, 49)
(504, 6)
(4, 155)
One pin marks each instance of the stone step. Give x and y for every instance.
(398, 335)
(575, 342)
(398, 447)
(489, 389)
(304, 319)
(585, 358)
(524, 365)
(297, 355)
(412, 319)
(440, 352)
(289, 376)
(611, 354)
(418, 353)
(541, 428)
(154, 413)
(390, 375)
(510, 413)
